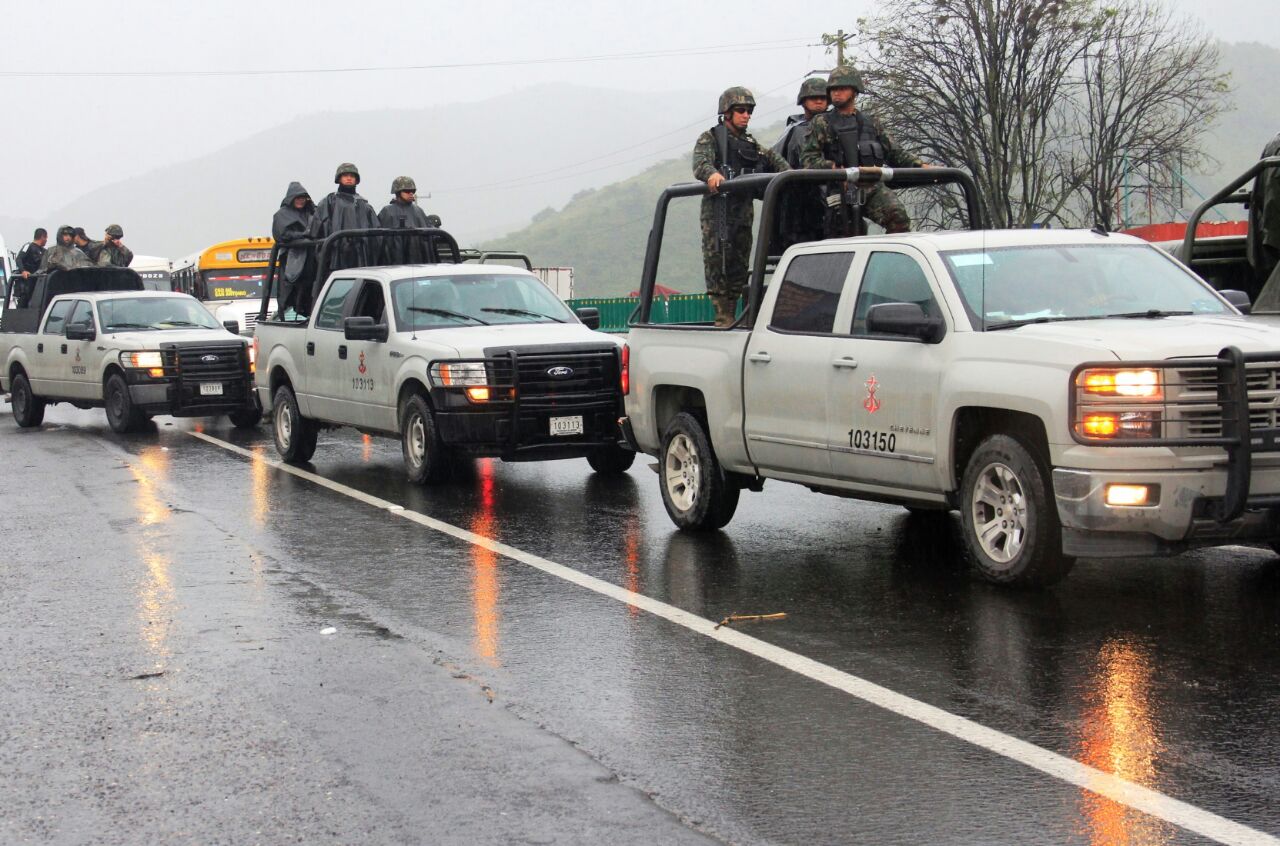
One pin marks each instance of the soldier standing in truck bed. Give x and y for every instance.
(846, 137)
(723, 152)
(1264, 231)
(801, 210)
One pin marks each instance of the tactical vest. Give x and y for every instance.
(858, 143)
(736, 155)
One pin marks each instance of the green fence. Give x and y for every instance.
(681, 308)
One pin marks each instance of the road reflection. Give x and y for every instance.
(155, 589)
(485, 590)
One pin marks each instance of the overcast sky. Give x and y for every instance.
(66, 135)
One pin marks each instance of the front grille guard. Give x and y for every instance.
(1238, 438)
(505, 393)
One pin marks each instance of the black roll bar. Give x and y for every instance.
(429, 237)
(772, 184)
(1226, 195)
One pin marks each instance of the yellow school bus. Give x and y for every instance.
(227, 278)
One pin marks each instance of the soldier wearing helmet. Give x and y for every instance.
(723, 152)
(403, 212)
(64, 255)
(110, 251)
(801, 211)
(846, 137)
(345, 210)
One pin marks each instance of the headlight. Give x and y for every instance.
(1135, 384)
(461, 375)
(143, 360)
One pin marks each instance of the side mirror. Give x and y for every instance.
(364, 329)
(904, 319)
(232, 326)
(1239, 299)
(80, 332)
(589, 315)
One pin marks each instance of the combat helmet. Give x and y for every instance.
(736, 96)
(346, 167)
(814, 86)
(845, 76)
(115, 231)
(403, 183)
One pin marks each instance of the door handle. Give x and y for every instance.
(311, 347)
(395, 354)
(64, 349)
(762, 357)
(39, 348)
(845, 362)
(342, 351)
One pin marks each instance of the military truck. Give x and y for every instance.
(1070, 393)
(453, 359)
(94, 337)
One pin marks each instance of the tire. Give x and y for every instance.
(295, 435)
(122, 415)
(28, 409)
(611, 460)
(695, 489)
(246, 418)
(425, 458)
(1010, 524)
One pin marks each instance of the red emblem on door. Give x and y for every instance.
(362, 368)
(871, 403)
(77, 355)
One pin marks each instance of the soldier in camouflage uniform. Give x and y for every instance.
(722, 152)
(802, 209)
(109, 252)
(65, 255)
(1264, 232)
(845, 137)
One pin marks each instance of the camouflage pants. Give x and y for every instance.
(726, 269)
(881, 205)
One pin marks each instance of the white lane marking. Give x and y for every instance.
(1122, 791)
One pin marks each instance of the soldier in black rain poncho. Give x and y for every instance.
(292, 222)
(403, 212)
(344, 209)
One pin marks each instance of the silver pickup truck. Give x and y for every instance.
(1071, 393)
(92, 337)
(454, 360)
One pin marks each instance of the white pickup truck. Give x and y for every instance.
(452, 359)
(1071, 393)
(92, 337)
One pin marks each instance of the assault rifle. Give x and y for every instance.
(721, 199)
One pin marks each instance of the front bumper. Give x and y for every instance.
(183, 399)
(523, 435)
(1184, 517)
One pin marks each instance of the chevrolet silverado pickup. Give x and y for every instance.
(1070, 393)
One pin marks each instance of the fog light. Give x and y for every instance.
(1100, 425)
(1133, 495)
(156, 372)
(478, 394)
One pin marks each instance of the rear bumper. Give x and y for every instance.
(1184, 517)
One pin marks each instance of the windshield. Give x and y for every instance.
(242, 284)
(434, 302)
(1013, 285)
(160, 313)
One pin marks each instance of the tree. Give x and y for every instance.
(1045, 102)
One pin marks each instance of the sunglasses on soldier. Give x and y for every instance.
(742, 110)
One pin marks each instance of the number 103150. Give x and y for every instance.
(872, 440)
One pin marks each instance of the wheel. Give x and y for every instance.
(28, 409)
(695, 489)
(295, 435)
(1010, 524)
(425, 458)
(121, 413)
(611, 460)
(246, 418)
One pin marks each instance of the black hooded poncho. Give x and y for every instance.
(290, 224)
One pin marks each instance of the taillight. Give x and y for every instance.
(625, 377)
(253, 355)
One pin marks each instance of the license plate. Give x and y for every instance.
(566, 425)
(210, 389)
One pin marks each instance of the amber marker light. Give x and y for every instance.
(156, 372)
(1100, 425)
(1138, 384)
(1132, 495)
(478, 394)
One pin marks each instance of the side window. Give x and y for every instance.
(370, 302)
(892, 278)
(329, 315)
(81, 313)
(57, 317)
(810, 292)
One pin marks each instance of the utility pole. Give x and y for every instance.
(837, 41)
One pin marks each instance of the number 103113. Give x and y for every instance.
(872, 440)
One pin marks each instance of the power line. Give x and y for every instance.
(710, 50)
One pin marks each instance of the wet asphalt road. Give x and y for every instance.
(1162, 672)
